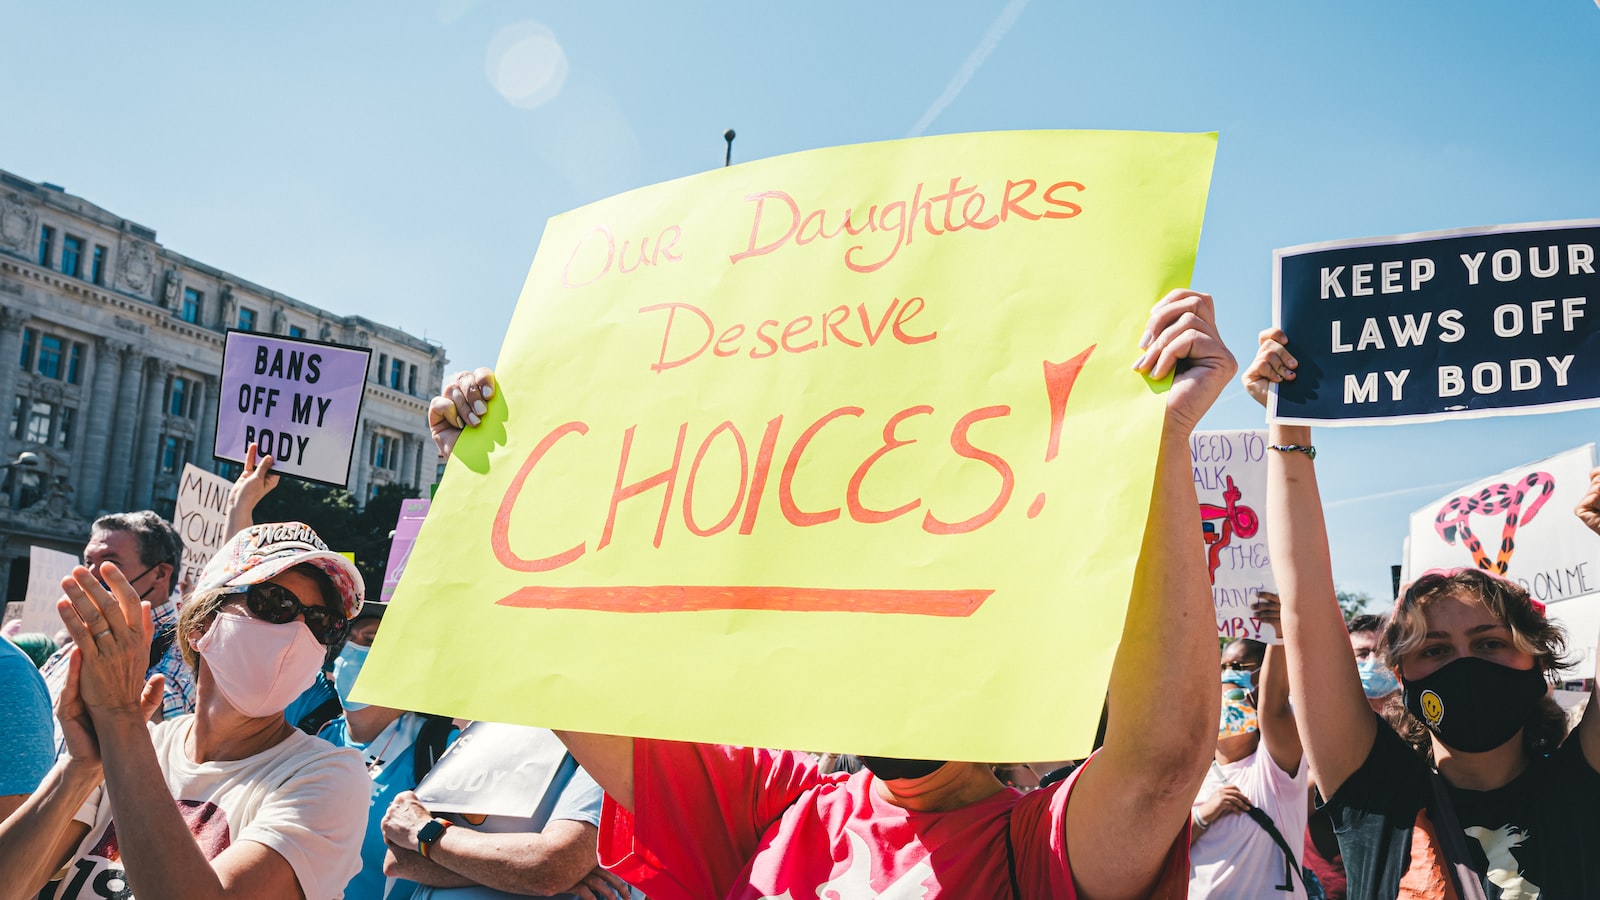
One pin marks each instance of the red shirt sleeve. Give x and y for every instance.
(699, 813)
(1039, 841)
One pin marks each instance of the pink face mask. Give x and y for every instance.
(259, 667)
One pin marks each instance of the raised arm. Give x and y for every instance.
(1589, 729)
(461, 404)
(1133, 800)
(1335, 723)
(1273, 710)
(255, 482)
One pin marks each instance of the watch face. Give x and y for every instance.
(430, 832)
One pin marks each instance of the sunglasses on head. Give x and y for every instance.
(277, 604)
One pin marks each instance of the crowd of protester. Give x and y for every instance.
(208, 745)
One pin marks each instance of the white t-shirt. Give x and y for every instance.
(1235, 857)
(304, 798)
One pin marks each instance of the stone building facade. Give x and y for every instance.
(110, 349)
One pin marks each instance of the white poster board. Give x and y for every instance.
(46, 568)
(201, 517)
(1230, 478)
(1518, 523)
(1581, 619)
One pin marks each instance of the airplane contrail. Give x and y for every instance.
(1410, 490)
(975, 59)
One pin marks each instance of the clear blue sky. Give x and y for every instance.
(357, 155)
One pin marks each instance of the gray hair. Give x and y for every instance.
(158, 541)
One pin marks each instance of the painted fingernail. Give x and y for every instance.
(473, 419)
(1144, 340)
(1139, 363)
(478, 407)
(488, 391)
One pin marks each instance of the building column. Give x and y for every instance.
(96, 425)
(208, 426)
(151, 416)
(360, 460)
(119, 465)
(11, 321)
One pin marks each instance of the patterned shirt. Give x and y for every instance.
(177, 697)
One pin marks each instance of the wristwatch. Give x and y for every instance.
(429, 833)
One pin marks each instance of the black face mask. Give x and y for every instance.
(888, 768)
(1473, 704)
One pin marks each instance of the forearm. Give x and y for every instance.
(1332, 716)
(608, 759)
(1279, 732)
(160, 855)
(1163, 683)
(402, 862)
(32, 837)
(520, 863)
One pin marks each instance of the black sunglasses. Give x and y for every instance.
(277, 604)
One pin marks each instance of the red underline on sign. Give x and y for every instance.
(703, 598)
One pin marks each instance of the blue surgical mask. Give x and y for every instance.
(1376, 679)
(345, 670)
(1240, 679)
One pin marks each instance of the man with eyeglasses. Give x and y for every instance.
(149, 550)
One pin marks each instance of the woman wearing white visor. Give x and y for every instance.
(229, 801)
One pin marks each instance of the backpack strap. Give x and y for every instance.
(432, 739)
(1260, 817)
(325, 712)
(1453, 841)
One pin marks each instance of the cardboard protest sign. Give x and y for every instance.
(201, 517)
(1440, 325)
(861, 413)
(1230, 478)
(412, 512)
(298, 400)
(1518, 523)
(46, 568)
(494, 770)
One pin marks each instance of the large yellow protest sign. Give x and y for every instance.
(839, 450)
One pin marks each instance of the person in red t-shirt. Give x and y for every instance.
(701, 821)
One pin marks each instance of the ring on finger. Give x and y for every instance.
(101, 633)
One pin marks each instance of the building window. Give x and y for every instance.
(47, 239)
(383, 366)
(177, 402)
(295, 331)
(57, 357)
(191, 306)
(397, 371)
(64, 423)
(247, 319)
(385, 452)
(50, 348)
(97, 265)
(411, 382)
(174, 453)
(72, 256)
(36, 421)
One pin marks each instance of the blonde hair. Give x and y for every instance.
(196, 616)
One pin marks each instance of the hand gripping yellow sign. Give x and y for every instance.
(839, 450)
